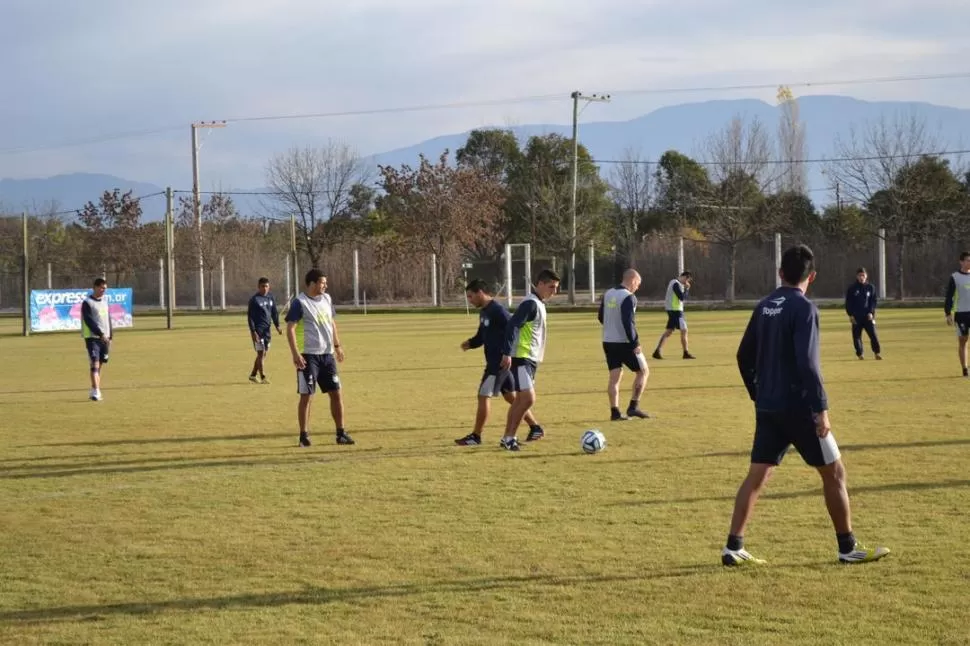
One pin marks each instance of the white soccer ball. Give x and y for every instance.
(593, 441)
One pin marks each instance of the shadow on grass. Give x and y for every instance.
(896, 486)
(81, 390)
(925, 444)
(314, 595)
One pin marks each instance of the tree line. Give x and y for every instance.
(742, 186)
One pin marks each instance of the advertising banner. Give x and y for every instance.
(53, 310)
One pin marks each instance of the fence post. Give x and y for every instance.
(434, 280)
(508, 272)
(169, 255)
(161, 282)
(222, 282)
(528, 267)
(680, 255)
(777, 260)
(882, 263)
(50, 282)
(592, 274)
(356, 278)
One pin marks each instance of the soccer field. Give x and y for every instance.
(180, 511)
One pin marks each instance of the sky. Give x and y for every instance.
(91, 72)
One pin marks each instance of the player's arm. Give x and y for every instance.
(599, 313)
(808, 367)
(88, 317)
(628, 317)
(251, 317)
(111, 326)
(951, 290)
(872, 303)
(525, 312)
(338, 350)
(680, 291)
(848, 301)
(293, 317)
(748, 356)
(275, 313)
(476, 341)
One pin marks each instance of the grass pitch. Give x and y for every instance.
(180, 510)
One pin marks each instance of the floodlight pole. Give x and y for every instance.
(576, 96)
(196, 199)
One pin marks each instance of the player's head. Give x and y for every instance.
(965, 261)
(685, 277)
(631, 279)
(547, 284)
(263, 286)
(100, 286)
(316, 282)
(861, 275)
(477, 293)
(797, 267)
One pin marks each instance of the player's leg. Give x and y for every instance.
(525, 397)
(487, 389)
(857, 339)
(535, 429)
(93, 350)
(330, 383)
(306, 386)
(638, 364)
(684, 339)
(767, 451)
(614, 364)
(870, 328)
(666, 335)
(257, 367)
(962, 338)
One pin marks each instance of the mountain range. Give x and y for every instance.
(682, 127)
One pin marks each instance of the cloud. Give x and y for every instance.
(109, 66)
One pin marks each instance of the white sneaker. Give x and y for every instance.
(739, 557)
(95, 395)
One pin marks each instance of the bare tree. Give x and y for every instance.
(871, 170)
(791, 144)
(739, 165)
(315, 184)
(631, 188)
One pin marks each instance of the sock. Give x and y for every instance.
(533, 427)
(846, 542)
(735, 543)
(304, 434)
(614, 411)
(340, 431)
(634, 405)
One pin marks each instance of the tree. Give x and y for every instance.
(680, 182)
(314, 184)
(214, 239)
(441, 209)
(734, 212)
(870, 171)
(630, 187)
(497, 155)
(795, 211)
(111, 232)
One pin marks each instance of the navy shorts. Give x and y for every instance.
(962, 322)
(676, 321)
(320, 370)
(495, 383)
(523, 375)
(776, 431)
(97, 350)
(622, 354)
(263, 339)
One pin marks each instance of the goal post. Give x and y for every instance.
(524, 283)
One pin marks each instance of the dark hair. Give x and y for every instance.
(861, 270)
(964, 255)
(797, 263)
(263, 281)
(686, 274)
(477, 285)
(313, 276)
(98, 282)
(548, 276)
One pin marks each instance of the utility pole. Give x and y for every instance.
(196, 199)
(169, 257)
(26, 275)
(576, 97)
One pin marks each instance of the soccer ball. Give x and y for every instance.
(593, 441)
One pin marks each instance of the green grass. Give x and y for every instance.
(179, 510)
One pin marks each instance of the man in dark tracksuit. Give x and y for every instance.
(860, 305)
(779, 362)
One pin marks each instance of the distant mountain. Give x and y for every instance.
(681, 127)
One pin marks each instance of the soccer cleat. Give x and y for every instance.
(965, 373)
(636, 412)
(95, 395)
(878, 357)
(343, 438)
(618, 417)
(265, 380)
(304, 439)
(469, 440)
(535, 433)
(509, 443)
(862, 554)
(254, 379)
(688, 355)
(734, 558)
(656, 354)
(860, 357)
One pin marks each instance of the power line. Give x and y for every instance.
(75, 211)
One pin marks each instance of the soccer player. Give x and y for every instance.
(621, 344)
(492, 323)
(779, 362)
(958, 298)
(97, 332)
(860, 305)
(522, 351)
(674, 305)
(312, 335)
(262, 310)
